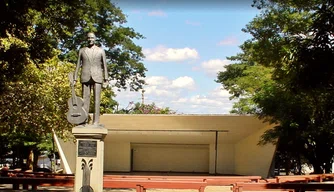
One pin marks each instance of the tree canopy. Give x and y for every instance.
(32, 31)
(39, 43)
(140, 108)
(35, 106)
(284, 75)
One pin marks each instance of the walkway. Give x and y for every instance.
(67, 189)
(4, 187)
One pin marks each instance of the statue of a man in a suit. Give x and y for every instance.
(92, 61)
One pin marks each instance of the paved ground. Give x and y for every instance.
(4, 187)
(67, 189)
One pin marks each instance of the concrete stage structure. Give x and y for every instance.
(212, 144)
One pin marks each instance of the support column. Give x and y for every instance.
(89, 158)
(216, 152)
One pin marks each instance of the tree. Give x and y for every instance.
(38, 43)
(29, 31)
(36, 105)
(291, 42)
(108, 104)
(124, 57)
(139, 108)
(32, 31)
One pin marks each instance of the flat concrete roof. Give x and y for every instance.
(235, 127)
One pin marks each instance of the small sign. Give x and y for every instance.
(87, 148)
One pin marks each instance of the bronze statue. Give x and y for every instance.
(92, 62)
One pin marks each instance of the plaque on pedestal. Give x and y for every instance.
(89, 159)
(87, 148)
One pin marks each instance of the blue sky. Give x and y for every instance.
(185, 46)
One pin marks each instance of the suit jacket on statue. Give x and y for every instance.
(93, 65)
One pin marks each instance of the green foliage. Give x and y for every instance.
(30, 30)
(123, 56)
(4, 150)
(108, 104)
(33, 30)
(284, 76)
(40, 95)
(244, 106)
(139, 108)
(38, 42)
(34, 106)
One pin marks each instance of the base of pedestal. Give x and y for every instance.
(89, 158)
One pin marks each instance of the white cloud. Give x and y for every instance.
(220, 92)
(158, 13)
(229, 41)
(193, 23)
(200, 100)
(178, 94)
(213, 66)
(157, 80)
(183, 82)
(180, 100)
(202, 105)
(215, 102)
(159, 91)
(164, 54)
(127, 95)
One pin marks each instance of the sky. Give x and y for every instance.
(186, 44)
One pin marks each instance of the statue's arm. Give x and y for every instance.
(104, 65)
(77, 67)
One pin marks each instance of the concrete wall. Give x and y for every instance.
(226, 159)
(252, 159)
(69, 149)
(244, 158)
(238, 152)
(171, 157)
(212, 159)
(117, 157)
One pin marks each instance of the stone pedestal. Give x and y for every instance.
(89, 158)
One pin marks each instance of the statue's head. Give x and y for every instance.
(91, 38)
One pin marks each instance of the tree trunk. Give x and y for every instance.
(36, 155)
(328, 168)
(299, 164)
(287, 167)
